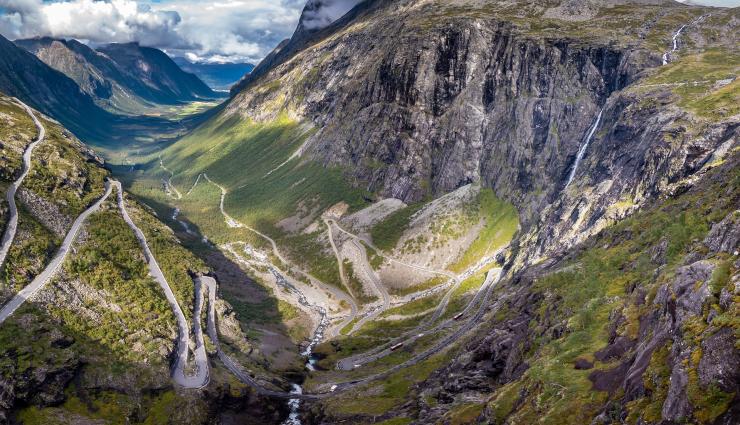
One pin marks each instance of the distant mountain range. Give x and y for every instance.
(120, 77)
(26, 77)
(219, 76)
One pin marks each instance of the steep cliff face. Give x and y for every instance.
(637, 325)
(566, 110)
(419, 98)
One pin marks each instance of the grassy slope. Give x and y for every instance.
(600, 279)
(239, 154)
(62, 174)
(32, 249)
(110, 263)
(600, 284)
(694, 79)
(502, 223)
(16, 132)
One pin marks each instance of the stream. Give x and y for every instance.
(294, 404)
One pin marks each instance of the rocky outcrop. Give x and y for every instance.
(417, 98)
(679, 363)
(45, 212)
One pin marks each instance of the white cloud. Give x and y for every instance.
(321, 13)
(222, 30)
(226, 30)
(99, 21)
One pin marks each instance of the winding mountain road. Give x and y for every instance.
(334, 291)
(480, 299)
(348, 363)
(210, 285)
(392, 259)
(12, 226)
(338, 256)
(438, 347)
(201, 376)
(43, 278)
(365, 268)
(171, 189)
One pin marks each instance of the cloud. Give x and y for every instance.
(321, 13)
(97, 21)
(236, 29)
(225, 30)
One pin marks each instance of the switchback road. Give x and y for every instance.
(12, 226)
(43, 278)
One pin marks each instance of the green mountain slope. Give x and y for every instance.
(163, 81)
(96, 342)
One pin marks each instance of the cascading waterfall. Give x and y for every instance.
(666, 55)
(294, 404)
(584, 147)
(677, 34)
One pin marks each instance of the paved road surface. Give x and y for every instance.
(245, 377)
(392, 259)
(342, 275)
(231, 365)
(438, 347)
(365, 268)
(384, 350)
(171, 189)
(43, 278)
(12, 226)
(333, 290)
(201, 377)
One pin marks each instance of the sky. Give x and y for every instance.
(201, 30)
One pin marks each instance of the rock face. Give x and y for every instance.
(674, 361)
(417, 98)
(119, 75)
(24, 76)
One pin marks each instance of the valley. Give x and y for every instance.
(449, 212)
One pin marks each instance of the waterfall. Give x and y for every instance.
(666, 55)
(584, 147)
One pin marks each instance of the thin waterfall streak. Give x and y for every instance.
(584, 147)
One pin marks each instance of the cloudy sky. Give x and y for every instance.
(223, 30)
